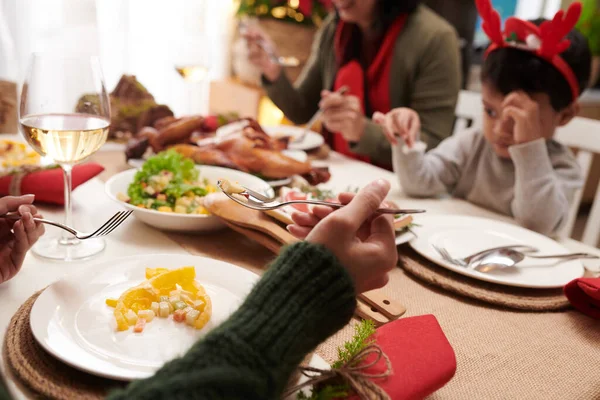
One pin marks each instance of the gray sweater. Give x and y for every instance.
(536, 186)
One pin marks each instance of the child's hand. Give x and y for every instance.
(525, 113)
(17, 237)
(403, 122)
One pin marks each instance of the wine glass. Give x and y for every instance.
(192, 63)
(65, 115)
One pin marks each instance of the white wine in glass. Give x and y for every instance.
(192, 73)
(65, 115)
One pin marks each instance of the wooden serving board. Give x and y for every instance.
(220, 205)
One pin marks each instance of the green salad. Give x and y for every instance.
(169, 182)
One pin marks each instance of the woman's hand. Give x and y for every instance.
(258, 56)
(362, 240)
(402, 122)
(17, 237)
(343, 114)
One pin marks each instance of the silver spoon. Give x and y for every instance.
(509, 258)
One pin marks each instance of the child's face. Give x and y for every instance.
(499, 128)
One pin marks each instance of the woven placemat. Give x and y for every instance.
(43, 374)
(499, 295)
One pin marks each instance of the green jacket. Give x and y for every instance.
(304, 297)
(425, 77)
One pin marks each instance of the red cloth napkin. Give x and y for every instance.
(47, 185)
(584, 295)
(421, 356)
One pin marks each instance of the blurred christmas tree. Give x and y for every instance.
(305, 12)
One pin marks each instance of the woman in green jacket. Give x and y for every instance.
(389, 53)
(308, 293)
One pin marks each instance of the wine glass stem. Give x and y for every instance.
(67, 238)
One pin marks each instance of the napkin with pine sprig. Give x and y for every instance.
(409, 358)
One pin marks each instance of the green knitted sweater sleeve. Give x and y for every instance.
(303, 298)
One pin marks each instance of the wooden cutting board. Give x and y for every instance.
(220, 205)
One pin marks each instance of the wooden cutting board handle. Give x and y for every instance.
(365, 311)
(378, 300)
(220, 205)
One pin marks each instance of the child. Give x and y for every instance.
(511, 165)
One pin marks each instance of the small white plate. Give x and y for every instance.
(298, 155)
(184, 222)
(71, 321)
(404, 237)
(311, 141)
(464, 235)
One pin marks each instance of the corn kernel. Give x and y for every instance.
(166, 209)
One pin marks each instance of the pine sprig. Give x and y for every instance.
(363, 337)
(363, 333)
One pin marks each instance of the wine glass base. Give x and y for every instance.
(56, 248)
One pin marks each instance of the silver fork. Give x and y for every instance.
(259, 196)
(315, 118)
(104, 230)
(256, 204)
(466, 261)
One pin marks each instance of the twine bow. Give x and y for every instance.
(353, 373)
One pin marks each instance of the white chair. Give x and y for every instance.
(582, 134)
(468, 110)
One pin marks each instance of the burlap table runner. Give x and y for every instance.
(41, 373)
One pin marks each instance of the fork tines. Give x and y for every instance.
(112, 223)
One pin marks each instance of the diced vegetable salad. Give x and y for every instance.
(169, 182)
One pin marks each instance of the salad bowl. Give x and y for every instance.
(118, 189)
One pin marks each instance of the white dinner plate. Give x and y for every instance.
(464, 235)
(311, 141)
(71, 321)
(184, 222)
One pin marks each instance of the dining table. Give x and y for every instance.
(501, 353)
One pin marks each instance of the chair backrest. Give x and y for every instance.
(468, 110)
(583, 134)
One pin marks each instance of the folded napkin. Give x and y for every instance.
(421, 357)
(584, 295)
(46, 184)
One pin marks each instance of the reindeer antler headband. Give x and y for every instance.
(546, 41)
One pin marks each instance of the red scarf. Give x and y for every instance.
(352, 75)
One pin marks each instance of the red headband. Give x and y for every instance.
(546, 41)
